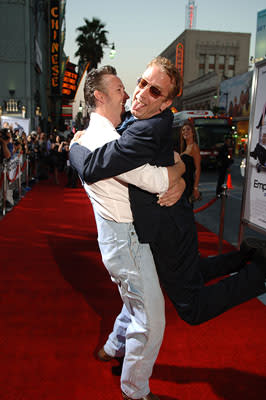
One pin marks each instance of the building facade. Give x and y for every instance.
(27, 30)
(207, 58)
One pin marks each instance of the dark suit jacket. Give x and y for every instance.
(145, 141)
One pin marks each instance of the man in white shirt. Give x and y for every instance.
(138, 330)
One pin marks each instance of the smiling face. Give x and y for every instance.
(112, 100)
(145, 103)
(187, 133)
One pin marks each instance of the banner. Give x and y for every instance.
(235, 95)
(254, 211)
(12, 167)
(23, 124)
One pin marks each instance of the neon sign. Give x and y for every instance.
(69, 85)
(179, 63)
(55, 47)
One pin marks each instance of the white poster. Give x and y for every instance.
(255, 185)
(23, 124)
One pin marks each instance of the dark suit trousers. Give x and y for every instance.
(183, 273)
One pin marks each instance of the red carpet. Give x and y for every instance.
(58, 305)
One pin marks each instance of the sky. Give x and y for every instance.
(142, 29)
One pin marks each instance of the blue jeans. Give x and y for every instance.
(138, 330)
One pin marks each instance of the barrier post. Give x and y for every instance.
(4, 185)
(19, 177)
(27, 170)
(222, 212)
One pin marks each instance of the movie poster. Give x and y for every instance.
(255, 185)
(22, 124)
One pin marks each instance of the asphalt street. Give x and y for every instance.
(210, 217)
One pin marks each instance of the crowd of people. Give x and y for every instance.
(47, 156)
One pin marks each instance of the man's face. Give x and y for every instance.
(115, 97)
(148, 101)
(126, 97)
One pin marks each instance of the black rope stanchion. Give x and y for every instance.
(222, 211)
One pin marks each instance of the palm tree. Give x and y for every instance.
(91, 41)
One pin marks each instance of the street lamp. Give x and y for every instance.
(112, 51)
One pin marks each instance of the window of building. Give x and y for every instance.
(211, 66)
(221, 63)
(202, 64)
(231, 66)
(231, 61)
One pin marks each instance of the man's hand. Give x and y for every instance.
(77, 137)
(176, 171)
(173, 194)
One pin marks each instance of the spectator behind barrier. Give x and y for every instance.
(6, 152)
(6, 148)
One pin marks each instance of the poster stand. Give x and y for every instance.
(253, 209)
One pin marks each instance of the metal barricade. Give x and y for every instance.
(14, 174)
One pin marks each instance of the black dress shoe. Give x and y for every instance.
(247, 249)
(255, 249)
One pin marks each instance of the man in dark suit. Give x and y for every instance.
(171, 231)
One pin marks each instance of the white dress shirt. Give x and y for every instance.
(110, 196)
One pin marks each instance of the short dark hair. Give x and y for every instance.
(168, 67)
(94, 81)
